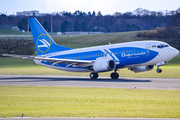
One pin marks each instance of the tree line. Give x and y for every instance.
(170, 33)
(140, 19)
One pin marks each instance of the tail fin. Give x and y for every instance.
(43, 41)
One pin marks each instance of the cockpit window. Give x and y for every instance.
(162, 46)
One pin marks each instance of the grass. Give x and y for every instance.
(88, 102)
(96, 40)
(10, 32)
(81, 41)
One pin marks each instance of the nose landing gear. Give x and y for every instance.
(160, 64)
(158, 70)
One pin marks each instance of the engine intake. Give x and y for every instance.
(142, 68)
(104, 65)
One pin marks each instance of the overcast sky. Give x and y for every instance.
(105, 6)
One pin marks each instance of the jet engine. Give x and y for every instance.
(142, 68)
(104, 65)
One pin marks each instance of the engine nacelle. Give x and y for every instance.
(104, 65)
(142, 68)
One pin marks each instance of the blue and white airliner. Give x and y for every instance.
(136, 56)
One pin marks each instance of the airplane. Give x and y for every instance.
(137, 56)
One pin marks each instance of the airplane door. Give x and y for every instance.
(148, 47)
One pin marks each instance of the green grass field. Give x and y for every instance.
(96, 40)
(81, 41)
(10, 32)
(88, 102)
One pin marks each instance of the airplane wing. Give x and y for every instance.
(69, 62)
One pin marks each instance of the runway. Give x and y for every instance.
(85, 81)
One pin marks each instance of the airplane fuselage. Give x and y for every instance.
(129, 54)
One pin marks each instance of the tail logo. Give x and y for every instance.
(43, 43)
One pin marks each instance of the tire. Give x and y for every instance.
(93, 75)
(159, 70)
(96, 75)
(114, 75)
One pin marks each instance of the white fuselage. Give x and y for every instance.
(129, 54)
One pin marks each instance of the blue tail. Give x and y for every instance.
(43, 41)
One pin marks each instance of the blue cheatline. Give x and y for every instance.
(43, 41)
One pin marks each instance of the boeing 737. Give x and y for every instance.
(138, 56)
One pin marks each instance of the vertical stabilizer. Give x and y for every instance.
(43, 41)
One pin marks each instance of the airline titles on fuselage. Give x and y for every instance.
(132, 54)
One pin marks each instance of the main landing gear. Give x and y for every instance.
(93, 75)
(114, 75)
(158, 70)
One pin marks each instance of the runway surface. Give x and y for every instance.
(79, 81)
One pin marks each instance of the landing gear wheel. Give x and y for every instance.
(93, 75)
(114, 75)
(159, 70)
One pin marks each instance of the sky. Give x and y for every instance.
(105, 6)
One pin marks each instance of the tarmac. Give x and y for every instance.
(85, 81)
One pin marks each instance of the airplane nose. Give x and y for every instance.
(169, 53)
(174, 52)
